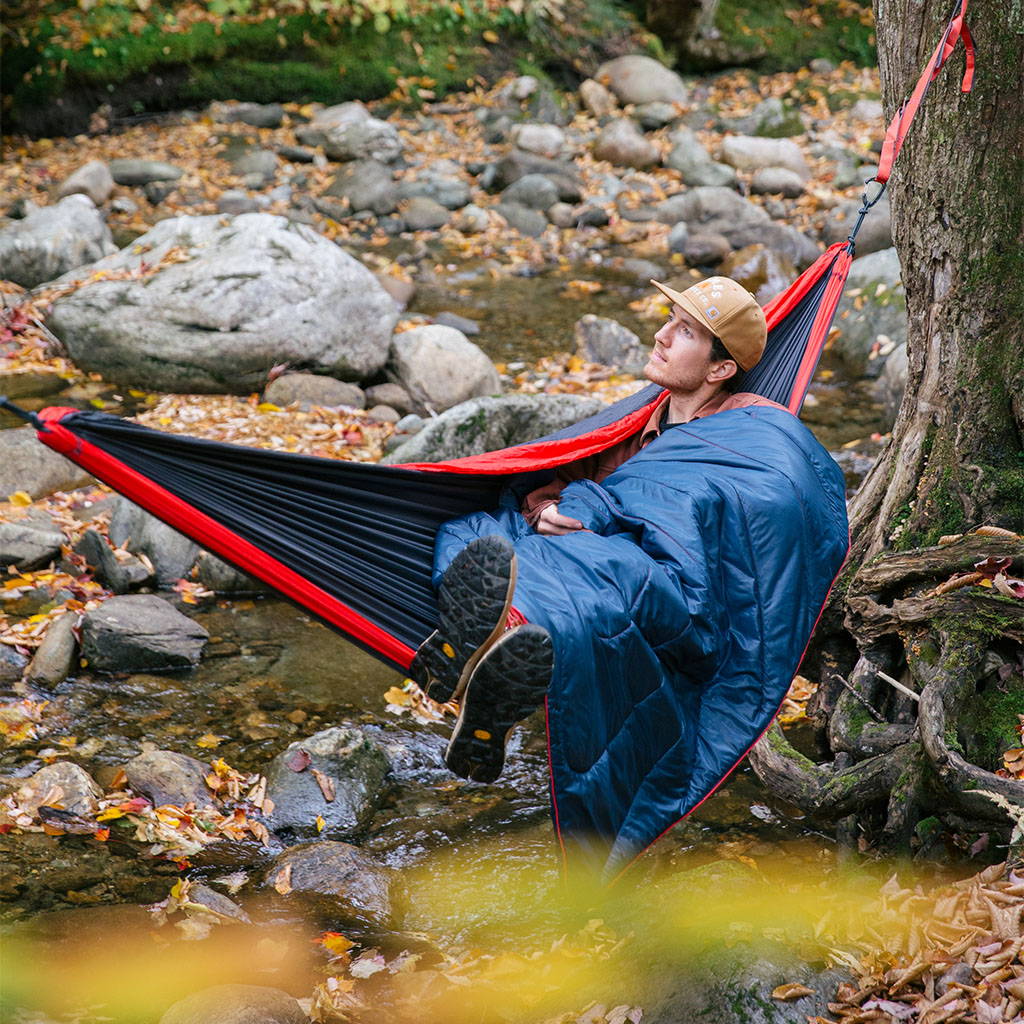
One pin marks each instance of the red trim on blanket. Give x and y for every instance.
(218, 538)
(554, 797)
(711, 792)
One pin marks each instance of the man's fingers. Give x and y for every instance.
(567, 523)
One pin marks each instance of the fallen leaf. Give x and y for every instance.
(326, 784)
(298, 760)
(283, 880)
(791, 990)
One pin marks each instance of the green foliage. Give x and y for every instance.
(795, 34)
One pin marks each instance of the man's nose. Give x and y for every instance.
(662, 336)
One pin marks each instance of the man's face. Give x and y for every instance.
(681, 357)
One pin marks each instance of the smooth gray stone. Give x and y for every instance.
(167, 777)
(130, 171)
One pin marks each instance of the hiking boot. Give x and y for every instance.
(473, 600)
(507, 685)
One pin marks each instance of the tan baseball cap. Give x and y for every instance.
(728, 311)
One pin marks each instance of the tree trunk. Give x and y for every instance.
(956, 458)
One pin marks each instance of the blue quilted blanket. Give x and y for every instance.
(679, 617)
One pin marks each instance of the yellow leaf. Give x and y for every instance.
(335, 942)
(21, 498)
(490, 35)
(792, 990)
(110, 814)
(268, 407)
(985, 582)
(135, 393)
(209, 740)
(320, 823)
(398, 696)
(97, 403)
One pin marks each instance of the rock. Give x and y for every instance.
(256, 291)
(891, 384)
(92, 179)
(53, 240)
(157, 191)
(516, 164)
(125, 205)
(678, 236)
(310, 389)
(78, 791)
(336, 881)
(171, 553)
(422, 213)
(120, 575)
(258, 115)
(167, 777)
(597, 99)
(874, 303)
(620, 142)
(524, 220)
(140, 632)
(958, 974)
(822, 66)
(383, 414)
(259, 162)
(534, 191)
(602, 340)
(543, 139)
(562, 215)
(460, 323)
(440, 367)
(12, 664)
(393, 395)
(363, 139)
(236, 1004)
(875, 233)
(705, 249)
(141, 172)
(367, 185)
(405, 428)
(751, 153)
(29, 545)
(400, 290)
(694, 162)
(786, 240)
(653, 116)
(28, 465)
(590, 216)
(471, 220)
(340, 113)
(354, 766)
(296, 154)
(867, 110)
(775, 181)
(439, 185)
(235, 201)
(222, 578)
(761, 271)
(55, 656)
(772, 118)
(217, 902)
(486, 424)
(639, 79)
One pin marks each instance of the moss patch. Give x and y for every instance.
(990, 724)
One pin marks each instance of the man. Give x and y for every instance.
(485, 653)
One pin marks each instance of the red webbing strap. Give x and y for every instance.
(956, 31)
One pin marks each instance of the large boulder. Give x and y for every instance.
(335, 881)
(29, 544)
(636, 78)
(139, 633)
(252, 292)
(440, 367)
(873, 304)
(760, 270)
(621, 143)
(354, 768)
(53, 240)
(694, 162)
(751, 153)
(543, 139)
(26, 464)
(517, 163)
(236, 1004)
(486, 424)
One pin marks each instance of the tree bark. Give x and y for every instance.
(956, 458)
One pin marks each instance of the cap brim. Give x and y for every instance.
(688, 304)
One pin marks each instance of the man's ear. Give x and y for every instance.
(720, 372)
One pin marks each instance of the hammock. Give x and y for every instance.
(353, 543)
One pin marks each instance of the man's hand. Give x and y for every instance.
(554, 524)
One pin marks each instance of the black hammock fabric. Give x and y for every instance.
(354, 542)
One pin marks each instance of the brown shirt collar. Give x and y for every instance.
(719, 402)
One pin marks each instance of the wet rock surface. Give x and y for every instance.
(236, 1004)
(167, 777)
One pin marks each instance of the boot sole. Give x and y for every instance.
(509, 683)
(474, 601)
